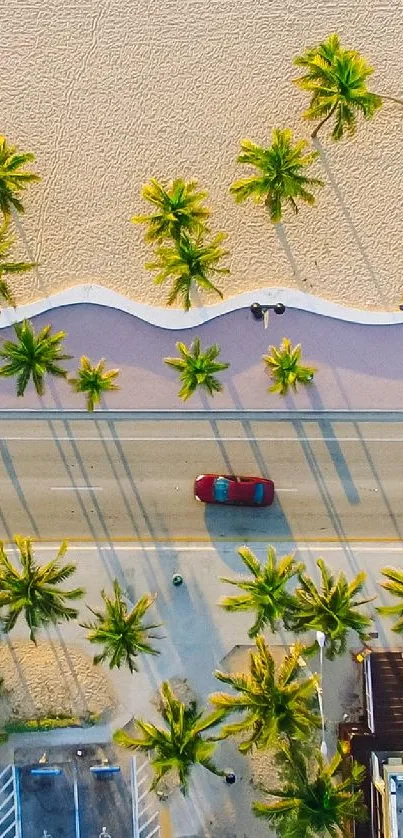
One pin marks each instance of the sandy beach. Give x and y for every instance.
(107, 94)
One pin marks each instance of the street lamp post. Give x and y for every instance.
(321, 639)
(259, 311)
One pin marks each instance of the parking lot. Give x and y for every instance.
(75, 793)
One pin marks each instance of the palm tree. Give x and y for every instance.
(7, 266)
(281, 178)
(337, 81)
(395, 587)
(179, 745)
(186, 262)
(283, 365)
(13, 180)
(33, 589)
(93, 381)
(122, 633)
(33, 356)
(331, 608)
(266, 592)
(178, 209)
(311, 802)
(274, 705)
(197, 368)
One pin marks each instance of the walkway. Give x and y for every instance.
(359, 367)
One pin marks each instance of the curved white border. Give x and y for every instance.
(168, 318)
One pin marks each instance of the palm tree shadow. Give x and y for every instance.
(333, 446)
(31, 255)
(21, 675)
(348, 217)
(283, 239)
(64, 647)
(10, 468)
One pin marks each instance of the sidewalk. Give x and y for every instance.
(360, 367)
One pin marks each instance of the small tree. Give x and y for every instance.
(281, 178)
(13, 178)
(94, 381)
(35, 355)
(33, 589)
(331, 608)
(273, 705)
(266, 592)
(122, 633)
(283, 365)
(177, 746)
(178, 209)
(197, 368)
(336, 78)
(189, 262)
(394, 586)
(8, 266)
(311, 801)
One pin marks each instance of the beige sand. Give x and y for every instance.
(109, 93)
(52, 679)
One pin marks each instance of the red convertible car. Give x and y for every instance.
(232, 490)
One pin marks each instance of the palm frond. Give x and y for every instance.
(336, 78)
(14, 179)
(94, 381)
(266, 593)
(179, 745)
(178, 209)
(284, 367)
(331, 608)
(189, 261)
(32, 589)
(281, 178)
(310, 801)
(274, 705)
(394, 586)
(197, 368)
(33, 355)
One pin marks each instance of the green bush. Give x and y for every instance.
(49, 723)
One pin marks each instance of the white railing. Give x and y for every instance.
(10, 824)
(146, 819)
(368, 693)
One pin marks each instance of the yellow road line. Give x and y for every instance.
(181, 539)
(165, 823)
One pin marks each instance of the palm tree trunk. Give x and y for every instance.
(391, 99)
(318, 127)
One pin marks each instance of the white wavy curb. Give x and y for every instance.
(177, 319)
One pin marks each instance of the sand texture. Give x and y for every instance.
(49, 680)
(108, 94)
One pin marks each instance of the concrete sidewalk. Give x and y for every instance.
(359, 367)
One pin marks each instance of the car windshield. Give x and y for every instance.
(258, 493)
(221, 489)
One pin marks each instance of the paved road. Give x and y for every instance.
(108, 480)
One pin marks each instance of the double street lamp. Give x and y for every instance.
(321, 640)
(259, 311)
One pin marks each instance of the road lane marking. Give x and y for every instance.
(240, 539)
(76, 489)
(207, 548)
(217, 438)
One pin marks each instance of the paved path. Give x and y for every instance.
(359, 367)
(102, 479)
(198, 637)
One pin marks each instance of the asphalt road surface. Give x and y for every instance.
(118, 479)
